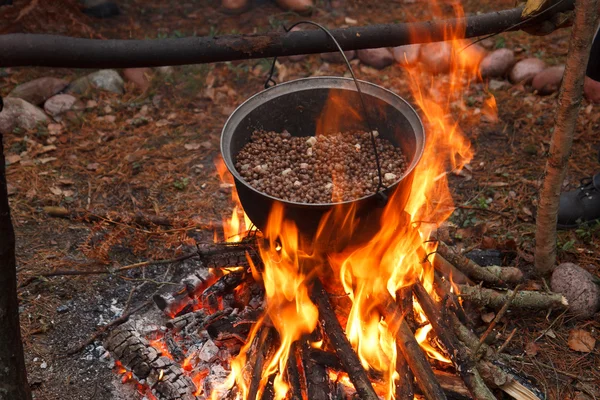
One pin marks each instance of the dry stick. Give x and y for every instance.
(106, 327)
(411, 351)
(507, 341)
(457, 351)
(444, 290)
(404, 385)
(498, 317)
(342, 346)
(569, 100)
(524, 299)
(494, 275)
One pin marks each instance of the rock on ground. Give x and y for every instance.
(407, 55)
(577, 285)
(336, 57)
(106, 79)
(61, 103)
(139, 76)
(524, 70)
(497, 63)
(548, 81)
(436, 57)
(18, 113)
(299, 6)
(591, 90)
(235, 6)
(376, 58)
(39, 90)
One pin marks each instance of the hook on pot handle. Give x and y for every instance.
(271, 82)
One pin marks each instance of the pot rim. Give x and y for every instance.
(275, 91)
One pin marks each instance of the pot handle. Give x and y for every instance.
(271, 82)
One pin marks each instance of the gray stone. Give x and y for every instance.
(18, 113)
(106, 79)
(548, 81)
(62, 309)
(336, 57)
(39, 90)
(61, 103)
(578, 287)
(436, 57)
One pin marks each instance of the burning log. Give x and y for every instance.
(493, 275)
(179, 323)
(163, 376)
(263, 344)
(315, 374)
(232, 324)
(411, 351)
(457, 351)
(341, 345)
(404, 385)
(293, 374)
(444, 290)
(224, 285)
(524, 299)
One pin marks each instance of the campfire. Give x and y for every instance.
(347, 310)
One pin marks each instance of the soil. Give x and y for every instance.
(163, 164)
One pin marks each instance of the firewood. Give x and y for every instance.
(458, 353)
(225, 284)
(341, 345)
(410, 349)
(315, 374)
(444, 290)
(265, 339)
(493, 275)
(232, 324)
(163, 376)
(524, 299)
(404, 384)
(179, 323)
(293, 374)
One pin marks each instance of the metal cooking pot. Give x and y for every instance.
(296, 107)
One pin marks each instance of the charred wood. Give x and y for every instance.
(315, 374)
(224, 285)
(164, 377)
(341, 345)
(179, 323)
(410, 349)
(463, 363)
(234, 324)
(293, 374)
(404, 384)
(444, 289)
(263, 345)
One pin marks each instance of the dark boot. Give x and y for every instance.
(581, 205)
(100, 8)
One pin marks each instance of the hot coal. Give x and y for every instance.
(322, 169)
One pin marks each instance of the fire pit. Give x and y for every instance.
(298, 106)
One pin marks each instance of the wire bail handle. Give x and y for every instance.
(271, 82)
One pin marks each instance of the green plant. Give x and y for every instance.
(500, 42)
(181, 184)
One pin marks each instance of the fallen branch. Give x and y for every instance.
(494, 275)
(340, 343)
(59, 51)
(524, 299)
(456, 350)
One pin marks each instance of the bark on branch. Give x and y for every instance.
(569, 100)
(20, 50)
(524, 299)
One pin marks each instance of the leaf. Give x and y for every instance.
(581, 341)
(56, 190)
(533, 7)
(12, 159)
(532, 349)
(192, 146)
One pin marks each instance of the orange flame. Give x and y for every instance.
(235, 227)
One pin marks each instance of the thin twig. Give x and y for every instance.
(498, 317)
(508, 339)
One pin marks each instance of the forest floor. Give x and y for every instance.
(166, 167)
